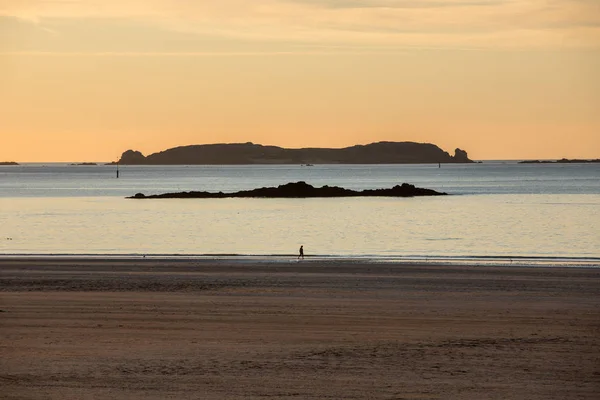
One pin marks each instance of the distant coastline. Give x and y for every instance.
(250, 153)
(561, 161)
(8, 163)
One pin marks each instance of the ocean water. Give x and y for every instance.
(496, 210)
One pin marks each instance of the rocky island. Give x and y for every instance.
(250, 153)
(8, 163)
(299, 190)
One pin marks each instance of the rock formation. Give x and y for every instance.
(132, 157)
(300, 190)
(460, 156)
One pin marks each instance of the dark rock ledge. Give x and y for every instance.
(300, 190)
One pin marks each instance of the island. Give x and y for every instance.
(250, 153)
(299, 190)
(561, 161)
(8, 163)
(84, 163)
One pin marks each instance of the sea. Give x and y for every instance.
(497, 212)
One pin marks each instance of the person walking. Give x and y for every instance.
(301, 255)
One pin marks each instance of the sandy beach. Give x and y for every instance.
(218, 329)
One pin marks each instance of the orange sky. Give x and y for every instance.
(86, 80)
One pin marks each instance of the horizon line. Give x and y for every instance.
(109, 162)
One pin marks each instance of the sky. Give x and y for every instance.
(85, 80)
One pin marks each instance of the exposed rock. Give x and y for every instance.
(460, 156)
(250, 153)
(132, 157)
(300, 190)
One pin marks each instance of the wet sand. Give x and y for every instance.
(201, 329)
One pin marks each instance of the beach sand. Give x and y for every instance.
(202, 329)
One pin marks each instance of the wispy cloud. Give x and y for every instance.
(358, 23)
(396, 3)
(327, 52)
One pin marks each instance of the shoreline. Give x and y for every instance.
(454, 261)
(191, 274)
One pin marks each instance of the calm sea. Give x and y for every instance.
(498, 210)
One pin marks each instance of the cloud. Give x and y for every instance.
(360, 24)
(390, 4)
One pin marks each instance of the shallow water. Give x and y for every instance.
(497, 210)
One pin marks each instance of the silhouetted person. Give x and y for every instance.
(301, 255)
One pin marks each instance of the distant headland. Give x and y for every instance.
(250, 153)
(561, 161)
(300, 190)
(8, 163)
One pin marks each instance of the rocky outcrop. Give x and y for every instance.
(460, 156)
(300, 190)
(8, 163)
(250, 153)
(132, 157)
